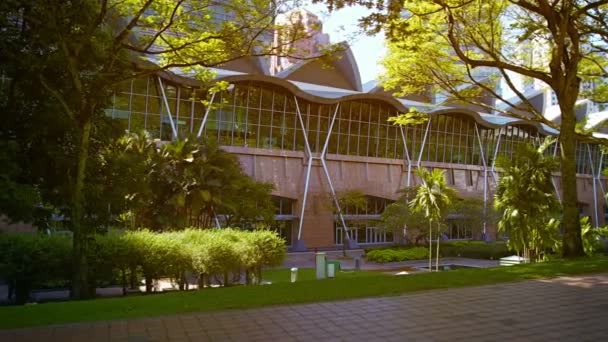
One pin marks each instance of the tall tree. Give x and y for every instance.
(462, 48)
(432, 199)
(73, 53)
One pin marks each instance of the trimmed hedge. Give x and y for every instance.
(464, 249)
(474, 249)
(28, 261)
(393, 255)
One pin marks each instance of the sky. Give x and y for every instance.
(342, 25)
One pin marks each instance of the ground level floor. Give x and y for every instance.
(306, 190)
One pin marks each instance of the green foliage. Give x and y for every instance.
(594, 239)
(394, 255)
(434, 195)
(18, 197)
(475, 249)
(466, 49)
(470, 211)
(399, 214)
(181, 184)
(413, 117)
(432, 199)
(28, 261)
(525, 195)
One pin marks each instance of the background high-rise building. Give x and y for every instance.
(299, 22)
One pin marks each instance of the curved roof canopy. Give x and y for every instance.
(330, 95)
(341, 71)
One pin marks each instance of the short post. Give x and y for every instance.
(331, 268)
(358, 263)
(320, 265)
(294, 274)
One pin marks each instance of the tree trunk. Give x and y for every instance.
(133, 277)
(437, 259)
(572, 244)
(124, 281)
(202, 281)
(430, 247)
(149, 281)
(80, 283)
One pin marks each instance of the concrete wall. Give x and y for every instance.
(375, 177)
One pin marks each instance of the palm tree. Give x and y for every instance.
(525, 195)
(432, 199)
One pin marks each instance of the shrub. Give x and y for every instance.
(28, 261)
(393, 255)
(594, 238)
(474, 249)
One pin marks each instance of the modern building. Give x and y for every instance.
(316, 138)
(306, 25)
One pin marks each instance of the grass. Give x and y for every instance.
(305, 274)
(343, 287)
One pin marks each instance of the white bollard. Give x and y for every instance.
(294, 274)
(320, 265)
(330, 270)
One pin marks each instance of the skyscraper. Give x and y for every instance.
(303, 23)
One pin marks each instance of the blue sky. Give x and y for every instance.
(342, 25)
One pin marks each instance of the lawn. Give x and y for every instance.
(283, 275)
(344, 286)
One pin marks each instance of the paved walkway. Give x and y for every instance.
(561, 309)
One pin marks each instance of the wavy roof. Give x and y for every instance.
(330, 95)
(345, 71)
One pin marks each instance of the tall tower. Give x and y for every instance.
(300, 35)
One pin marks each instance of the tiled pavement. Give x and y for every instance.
(562, 309)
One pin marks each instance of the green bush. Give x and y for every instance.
(30, 261)
(474, 249)
(393, 255)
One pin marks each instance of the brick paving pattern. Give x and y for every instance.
(561, 309)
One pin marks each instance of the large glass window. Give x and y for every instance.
(363, 222)
(262, 115)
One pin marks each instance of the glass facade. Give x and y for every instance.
(256, 114)
(263, 115)
(364, 223)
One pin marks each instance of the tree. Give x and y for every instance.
(470, 212)
(184, 183)
(462, 48)
(399, 216)
(433, 198)
(527, 201)
(72, 54)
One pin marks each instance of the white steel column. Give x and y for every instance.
(559, 197)
(200, 129)
(307, 181)
(485, 179)
(426, 133)
(597, 219)
(331, 186)
(409, 174)
(407, 157)
(599, 179)
(496, 155)
(162, 91)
